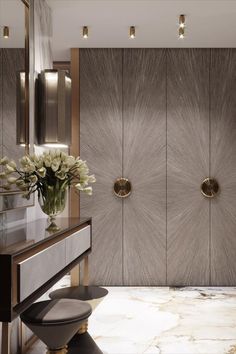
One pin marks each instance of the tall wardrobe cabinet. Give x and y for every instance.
(165, 120)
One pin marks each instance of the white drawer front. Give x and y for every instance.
(77, 244)
(38, 269)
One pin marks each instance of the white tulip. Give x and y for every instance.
(12, 180)
(88, 190)
(4, 161)
(9, 169)
(3, 175)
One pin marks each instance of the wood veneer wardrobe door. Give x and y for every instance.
(101, 146)
(223, 166)
(144, 164)
(187, 166)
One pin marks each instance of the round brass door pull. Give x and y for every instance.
(122, 187)
(210, 187)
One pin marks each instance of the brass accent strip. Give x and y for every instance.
(6, 337)
(57, 351)
(122, 187)
(74, 201)
(210, 187)
(83, 328)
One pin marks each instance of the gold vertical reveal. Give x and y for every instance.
(74, 203)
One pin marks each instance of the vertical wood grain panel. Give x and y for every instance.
(144, 163)
(223, 166)
(101, 146)
(13, 61)
(187, 166)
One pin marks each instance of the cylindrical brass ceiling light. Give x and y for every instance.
(85, 32)
(5, 32)
(182, 21)
(181, 33)
(132, 32)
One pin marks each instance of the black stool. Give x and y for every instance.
(55, 322)
(91, 294)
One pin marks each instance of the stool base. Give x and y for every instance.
(57, 351)
(84, 344)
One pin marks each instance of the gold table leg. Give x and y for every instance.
(75, 276)
(86, 272)
(6, 337)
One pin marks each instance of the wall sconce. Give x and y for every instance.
(5, 32)
(21, 132)
(85, 32)
(132, 32)
(54, 108)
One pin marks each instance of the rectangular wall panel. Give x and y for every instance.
(144, 164)
(187, 166)
(13, 60)
(223, 166)
(101, 146)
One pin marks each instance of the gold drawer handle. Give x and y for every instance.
(210, 187)
(122, 187)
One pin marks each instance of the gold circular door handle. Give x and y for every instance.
(122, 187)
(210, 187)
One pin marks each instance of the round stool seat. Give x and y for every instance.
(56, 321)
(83, 293)
(91, 294)
(57, 311)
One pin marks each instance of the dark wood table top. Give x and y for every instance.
(22, 238)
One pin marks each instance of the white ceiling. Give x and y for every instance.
(12, 15)
(210, 23)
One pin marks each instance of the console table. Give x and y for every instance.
(32, 260)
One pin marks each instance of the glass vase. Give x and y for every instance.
(52, 200)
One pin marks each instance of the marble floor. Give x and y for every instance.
(164, 321)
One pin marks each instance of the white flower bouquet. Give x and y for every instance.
(50, 175)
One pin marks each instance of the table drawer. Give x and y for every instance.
(41, 267)
(77, 244)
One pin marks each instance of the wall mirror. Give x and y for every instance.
(14, 90)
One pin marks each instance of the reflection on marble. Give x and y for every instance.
(164, 321)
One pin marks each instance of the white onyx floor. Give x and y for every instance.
(162, 320)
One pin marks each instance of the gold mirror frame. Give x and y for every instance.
(10, 200)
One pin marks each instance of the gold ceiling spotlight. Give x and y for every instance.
(85, 32)
(182, 25)
(5, 32)
(182, 21)
(181, 33)
(132, 32)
